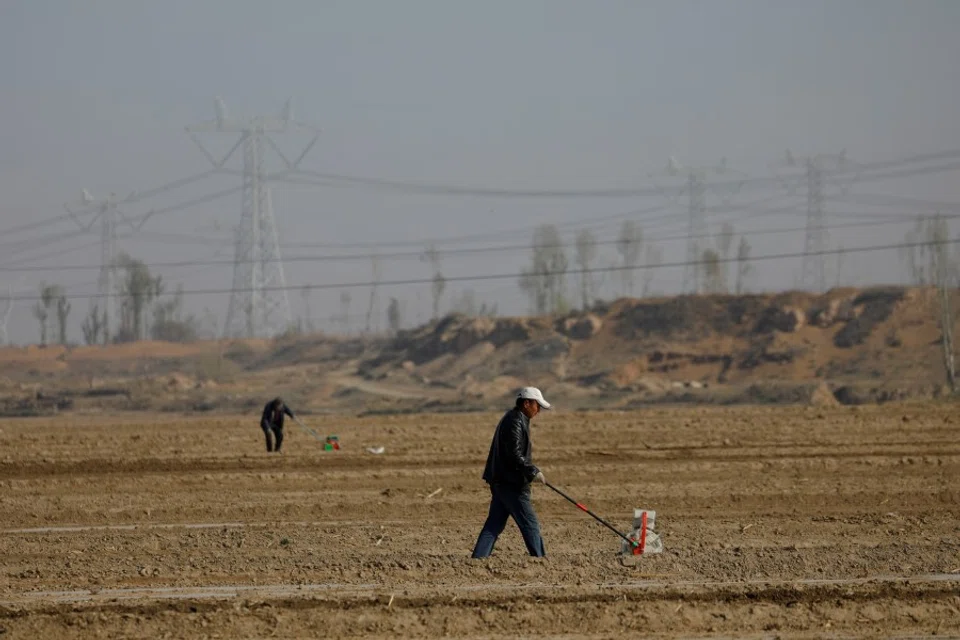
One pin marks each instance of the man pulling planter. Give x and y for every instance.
(509, 472)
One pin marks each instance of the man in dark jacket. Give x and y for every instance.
(272, 421)
(509, 472)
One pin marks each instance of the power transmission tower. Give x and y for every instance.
(812, 271)
(697, 228)
(108, 214)
(259, 306)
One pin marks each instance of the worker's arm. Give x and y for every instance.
(515, 451)
(288, 411)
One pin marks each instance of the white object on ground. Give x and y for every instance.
(376, 450)
(651, 542)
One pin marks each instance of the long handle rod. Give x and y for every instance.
(632, 543)
(306, 428)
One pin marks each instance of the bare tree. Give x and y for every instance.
(43, 308)
(208, 327)
(725, 239)
(40, 313)
(653, 256)
(543, 281)
(629, 246)
(5, 316)
(841, 254)
(94, 326)
(586, 248)
(467, 303)
(138, 289)
(487, 310)
(344, 310)
(168, 321)
(915, 253)
(307, 322)
(438, 284)
(743, 265)
(531, 283)
(724, 244)
(607, 274)
(943, 269)
(63, 310)
(375, 270)
(394, 315)
(713, 275)
(437, 287)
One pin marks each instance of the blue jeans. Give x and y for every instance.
(505, 502)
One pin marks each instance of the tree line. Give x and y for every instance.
(544, 281)
(145, 309)
(635, 265)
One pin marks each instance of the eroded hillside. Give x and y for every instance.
(847, 345)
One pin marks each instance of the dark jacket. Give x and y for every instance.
(509, 461)
(274, 418)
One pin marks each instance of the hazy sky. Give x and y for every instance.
(524, 94)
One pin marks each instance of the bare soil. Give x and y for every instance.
(847, 346)
(786, 522)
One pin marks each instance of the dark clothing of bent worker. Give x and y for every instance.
(509, 472)
(272, 423)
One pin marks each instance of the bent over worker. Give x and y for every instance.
(272, 422)
(509, 472)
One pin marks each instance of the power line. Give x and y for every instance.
(567, 224)
(9, 231)
(285, 176)
(181, 238)
(466, 238)
(897, 201)
(55, 254)
(464, 190)
(20, 246)
(135, 196)
(207, 240)
(505, 276)
(885, 220)
(29, 244)
(310, 178)
(474, 237)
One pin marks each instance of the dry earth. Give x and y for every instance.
(847, 346)
(777, 522)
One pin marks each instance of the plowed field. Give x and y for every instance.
(777, 522)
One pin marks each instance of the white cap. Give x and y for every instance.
(532, 393)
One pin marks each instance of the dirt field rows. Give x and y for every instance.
(779, 522)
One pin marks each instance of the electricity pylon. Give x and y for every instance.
(107, 213)
(259, 306)
(697, 229)
(812, 272)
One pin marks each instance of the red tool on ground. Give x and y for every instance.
(636, 546)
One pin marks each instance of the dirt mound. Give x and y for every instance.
(879, 343)
(457, 333)
(823, 397)
(875, 306)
